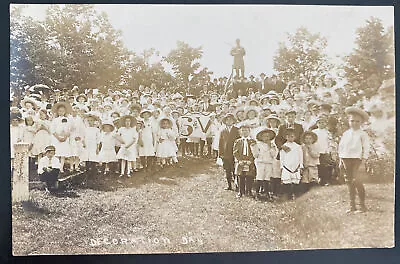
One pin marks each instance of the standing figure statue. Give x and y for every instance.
(238, 63)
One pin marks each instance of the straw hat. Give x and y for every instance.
(358, 111)
(108, 123)
(252, 108)
(273, 116)
(66, 105)
(145, 111)
(314, 136)
(29, 100)
(49, 148)
(81, 95)
(265, 130)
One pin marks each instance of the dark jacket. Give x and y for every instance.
(226, 141)
(243, 160)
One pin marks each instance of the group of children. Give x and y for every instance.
(258, 160)
(268, 143)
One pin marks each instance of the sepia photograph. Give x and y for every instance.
(153, 129)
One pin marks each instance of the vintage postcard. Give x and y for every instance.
(141, 129)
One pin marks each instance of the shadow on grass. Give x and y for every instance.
(167, 176)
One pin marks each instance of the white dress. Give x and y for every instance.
(148, 148)
(42, 138)
(77, 131)
(129, 135)
(107, 152)
(63, 149)
(166, 147)
(293, 161)
(91, 138)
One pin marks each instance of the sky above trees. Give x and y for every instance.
(215, 28)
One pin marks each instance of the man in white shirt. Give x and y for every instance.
(353, 151)
(49, 168)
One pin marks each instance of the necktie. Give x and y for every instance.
(245, 147)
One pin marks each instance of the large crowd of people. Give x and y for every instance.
(271, 138)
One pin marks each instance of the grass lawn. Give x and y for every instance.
(186, 210)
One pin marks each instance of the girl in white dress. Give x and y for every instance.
(291, 163)
(166, 148)
(146, 141)
(128, 152)
(29, 133)
(77, 130)
(108, 140)
(60, 129)
(90, 143)
(42, 137)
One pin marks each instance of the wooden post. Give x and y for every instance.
(20, 186)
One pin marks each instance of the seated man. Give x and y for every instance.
(49, 169)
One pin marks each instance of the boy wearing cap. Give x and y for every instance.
(245, 167)
(353, 151)
(49, 169)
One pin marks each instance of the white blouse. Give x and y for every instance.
(354, 144)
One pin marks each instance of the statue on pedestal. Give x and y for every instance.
(238, 53)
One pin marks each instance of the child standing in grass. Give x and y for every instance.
(166, 148)
(245, 167)
(291, 163)
(108, 139)
(353, 151)
(91, 143)
(264, 152)
(128, 152)
(310, 159)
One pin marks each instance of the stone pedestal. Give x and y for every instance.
(20, 186)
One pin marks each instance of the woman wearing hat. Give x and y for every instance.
(128, 153)
(353, 150)
(60, 129)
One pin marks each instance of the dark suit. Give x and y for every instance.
(226, 142)
(246, 178)
(280, 139)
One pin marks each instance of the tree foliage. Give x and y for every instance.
(77, 45)
(185, 62)
(374, 54)
(302, 56)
